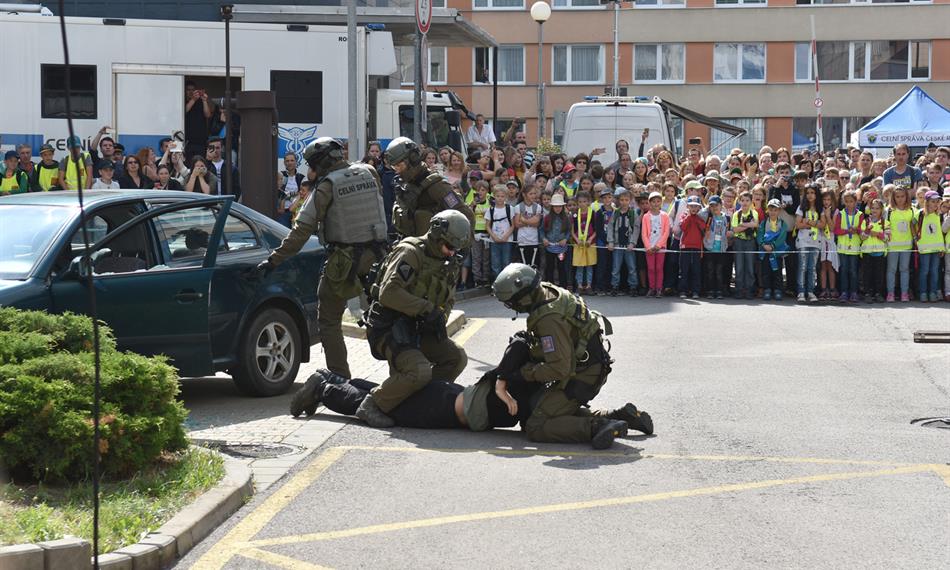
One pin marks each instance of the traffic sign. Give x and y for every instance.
(818, 102)
(424, 15)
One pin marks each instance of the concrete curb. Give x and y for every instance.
(455, 324)
(159, 549)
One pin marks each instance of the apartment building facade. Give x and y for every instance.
(745, 61)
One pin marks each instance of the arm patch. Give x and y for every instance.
(547, 343)
(405, 271)
(451, 200)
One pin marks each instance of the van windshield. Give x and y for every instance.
(438, 132)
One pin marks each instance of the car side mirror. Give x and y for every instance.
(453, 118)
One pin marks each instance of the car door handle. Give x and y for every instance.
(188, 296)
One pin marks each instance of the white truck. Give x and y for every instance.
(131, 75)
(600, 121)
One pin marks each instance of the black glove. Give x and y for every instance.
(261, 270)
(517, 354)
(434, 322)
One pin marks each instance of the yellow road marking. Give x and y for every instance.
(563, 507)
(944, 472)
(573, 453)
(471, 327)
(280, 560)
(220, 553)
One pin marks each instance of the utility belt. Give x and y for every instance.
(597, 354)
(388, 328)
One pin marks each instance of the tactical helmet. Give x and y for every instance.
(322, 152)
(451, 227)
(400, 149)
(514, 282)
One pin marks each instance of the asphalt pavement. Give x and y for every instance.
(783, 440)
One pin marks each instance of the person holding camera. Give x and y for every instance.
(198, 112)
(201, 179)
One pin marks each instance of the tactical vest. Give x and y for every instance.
(573, 310)
(356, 213)
(931, 234)
(436, 280)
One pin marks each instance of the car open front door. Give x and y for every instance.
(152, 278)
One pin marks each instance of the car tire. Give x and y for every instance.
(269, 355)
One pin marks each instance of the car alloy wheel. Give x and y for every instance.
(275, 352)
(270, 354)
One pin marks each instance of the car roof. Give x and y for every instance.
(69, 198)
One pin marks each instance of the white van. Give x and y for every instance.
(600, 121)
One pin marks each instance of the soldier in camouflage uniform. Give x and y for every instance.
(346, 211)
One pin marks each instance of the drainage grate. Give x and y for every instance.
(251, 450)
(938, 423)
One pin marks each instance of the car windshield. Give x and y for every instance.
(25, 234)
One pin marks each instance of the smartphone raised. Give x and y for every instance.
(695, 140)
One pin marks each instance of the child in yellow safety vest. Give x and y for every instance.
(945, 210)
(930, 246)
(481, 259)
(875, 232)
(847, 228)
(584, 235)
(901, 217)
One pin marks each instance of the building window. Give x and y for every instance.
(659, 3)
(882, 60)
(82, 89)
(659, 62)
(578, 64)
(437, 65)
(299, 95)
(751, 142)
(727, 3)
(510, 65)
(738, 62)
(836, 131)
(498, 4)
(576, 4)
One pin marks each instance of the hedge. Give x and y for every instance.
(47, 379)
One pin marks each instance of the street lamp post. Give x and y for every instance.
(227, 13)
(540, 12)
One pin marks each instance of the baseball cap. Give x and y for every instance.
(693, 201)
(775, 203)
(557, 199)
(11, 154)
(930, 195)
(120, 147)
(73, 142)
(715, 200)
(105, 165)
(475, 175)
(712, 176)
(513, 182)
(47, 148)
(568, 168)
(694, 185)
(871, 194)
(655, 195)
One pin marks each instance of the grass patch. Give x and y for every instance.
(129, 509)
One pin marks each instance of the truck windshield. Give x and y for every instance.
(25, 234)
(437, 135)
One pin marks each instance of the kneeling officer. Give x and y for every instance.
(568, 355)
(413, 295)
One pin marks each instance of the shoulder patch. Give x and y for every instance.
(451, 200)
(547, 343)
(405, 271)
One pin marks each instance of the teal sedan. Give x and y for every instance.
(173, 275)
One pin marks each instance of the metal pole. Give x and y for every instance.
(616, 87)
(540, 80)
(355, 152)
(814, 62)
(417, 90)
(494, 90)
(227, 13)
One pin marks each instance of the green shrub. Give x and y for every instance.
(46, 401)
(70, 332)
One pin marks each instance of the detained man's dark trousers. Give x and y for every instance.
(432, 407)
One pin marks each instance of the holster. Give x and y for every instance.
(390, 329)
(583, 392)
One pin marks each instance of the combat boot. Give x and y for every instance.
(636, 419)
(308, 397)
(604, 431)
(370, 413)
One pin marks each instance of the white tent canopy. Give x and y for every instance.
(915, 119)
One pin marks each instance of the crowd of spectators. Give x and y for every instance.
(841, 225)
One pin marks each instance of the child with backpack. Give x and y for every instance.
(554, 232)
(622, 232)
(655, 229)
(874, 236)
(827, 248)
(500, 230)
(481, 256)
(715, 245)
(847, 227)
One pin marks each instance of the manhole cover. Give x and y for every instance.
(938, 423)
(251, 450)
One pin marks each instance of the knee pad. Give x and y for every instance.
(420, 375)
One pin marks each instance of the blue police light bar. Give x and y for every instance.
(608, 99)
(376, 27)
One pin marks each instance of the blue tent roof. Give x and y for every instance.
(915, 119)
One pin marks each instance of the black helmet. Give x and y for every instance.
(322, 152)
(400, 149)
